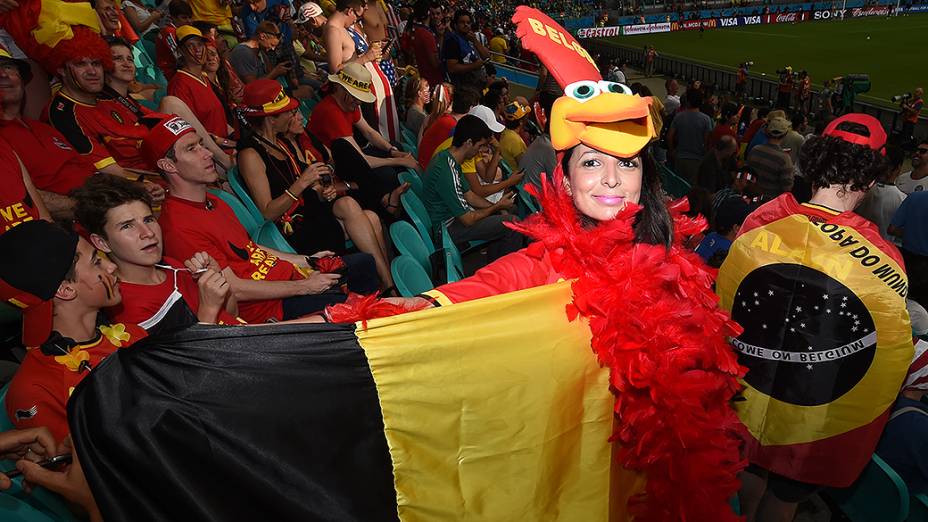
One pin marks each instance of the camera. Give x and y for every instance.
(747, 64)
(788, 71)
(901, 97)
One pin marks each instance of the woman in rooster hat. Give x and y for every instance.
(649, 302)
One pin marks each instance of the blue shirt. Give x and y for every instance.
(911, 218)
(272, 13)
(903, 445)
(712, 243)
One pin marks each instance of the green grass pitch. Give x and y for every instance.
(892, 56)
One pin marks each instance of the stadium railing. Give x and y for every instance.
(724, 80)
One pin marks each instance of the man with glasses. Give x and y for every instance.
(463, 54)
(250, 58)
(916, 180)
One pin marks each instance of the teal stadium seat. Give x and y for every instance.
(918, 508)
(409, 142)
(672, 184)
(878, 495)
(409, 276)
(410, 243)
(414, 179)
(240, 190)
(454, 265)
(420, 218)
(241, 212)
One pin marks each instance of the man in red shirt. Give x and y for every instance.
(105, 132)
(19, 200)
(157, 293)
(191, 84)
(435, 134)
(423, 43)
(55, 167)
(269, 285)
(60, 282)
(166, 51)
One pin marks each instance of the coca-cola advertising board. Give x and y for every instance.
(786, 18)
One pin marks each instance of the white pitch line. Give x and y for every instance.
(761, 33)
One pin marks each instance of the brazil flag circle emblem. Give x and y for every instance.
(813, 324)
(826, 336)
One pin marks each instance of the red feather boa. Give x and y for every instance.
(656, 324)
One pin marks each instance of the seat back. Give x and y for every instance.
(409, 276)
(409, 142)
(244, 216)
(13, 509)
(673, 184)
(420, 218)
(918, 508)
(414, 180)
(879, 494)
(454, 265)
(268, 235)
(240, 190)
(410, 243)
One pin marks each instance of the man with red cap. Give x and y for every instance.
(269, 285)
(60, 282)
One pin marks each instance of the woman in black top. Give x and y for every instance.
(291, 184)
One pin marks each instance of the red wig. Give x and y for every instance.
(85, 44)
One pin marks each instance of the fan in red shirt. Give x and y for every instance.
(421, 40)
(268, 284)
(192, 86)
(61, 283)
(441, 129)
(19, 200)
(55, 167)
(157, 293)
(166, 51)
(329, 122)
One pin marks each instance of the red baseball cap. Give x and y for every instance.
(30, 279)
(876, 135)
(162, 137)
(266, 98)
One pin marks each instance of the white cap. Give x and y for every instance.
(486, 114)
(308, 11)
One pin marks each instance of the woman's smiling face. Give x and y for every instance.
(601, 184)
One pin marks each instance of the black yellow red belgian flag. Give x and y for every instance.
(826, 341)
(494, 409)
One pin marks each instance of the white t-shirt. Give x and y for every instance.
(909, 185)
(879, 206)
(671, 104)
(142, 14)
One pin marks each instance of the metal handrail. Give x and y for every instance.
(757, 86)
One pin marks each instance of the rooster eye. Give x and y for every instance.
(583, 90)
(619, 88)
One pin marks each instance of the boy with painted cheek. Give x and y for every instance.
(60, 282)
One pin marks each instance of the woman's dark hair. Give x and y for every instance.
(653, 224)
(827, 160)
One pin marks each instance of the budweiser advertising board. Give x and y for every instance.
(861, 12)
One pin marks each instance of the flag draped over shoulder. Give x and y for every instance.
(826, 339)
(494, 409)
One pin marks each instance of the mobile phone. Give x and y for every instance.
(52, 462)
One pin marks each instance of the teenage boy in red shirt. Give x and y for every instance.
(269, 285)
(61, 283)
(157, 293)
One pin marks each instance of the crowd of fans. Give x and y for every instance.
(308, 108)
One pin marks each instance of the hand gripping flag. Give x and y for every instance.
(826, 341)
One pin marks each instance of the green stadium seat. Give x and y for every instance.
(454, 265)
(410, 278)
(241, 212)
(878, 495)
(240, 190)
(410, 243)
(918, 508)
(673, 184)
(415, 181)
(269, 235)
(13, 509)
(409, 142)
(420, 218)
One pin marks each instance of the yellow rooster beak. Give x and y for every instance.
(614, 123)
